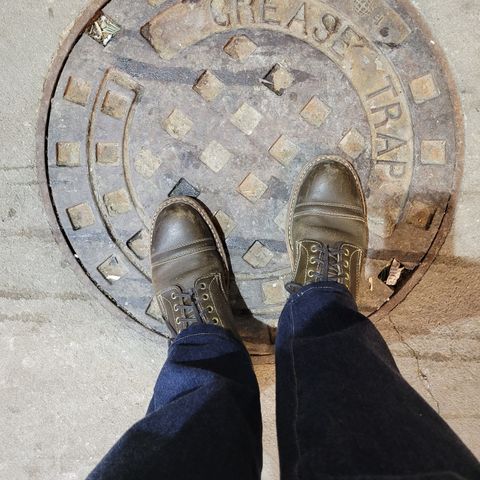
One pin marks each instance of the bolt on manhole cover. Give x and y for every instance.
(226, 101)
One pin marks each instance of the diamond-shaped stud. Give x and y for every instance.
(239, 47)
(246, 119)
(424, 89)
(258, 255)
(278, 79)
(184, 188)
(108, 153)
(420, 214)
(208, 86)
(139, 244)
(115, 105)
(434, 152)
(226, 223)
(147, 163)
(274, 292)
(68, 154)
(153, 309)
(177, 124)
(81, 216)
(112, 269)
(284, 150)
(215, 156)
(77, 91)
(117, 202)
(315, 112)
(281, 218)
(252, 188)
(353, 144)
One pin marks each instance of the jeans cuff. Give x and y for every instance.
(199, 329)
(326, 287)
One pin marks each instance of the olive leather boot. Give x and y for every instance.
(327, 231)
(190, 270)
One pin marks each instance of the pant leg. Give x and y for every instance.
(343, 409)
(204, 419)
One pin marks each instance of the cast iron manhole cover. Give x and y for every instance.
(226, 101)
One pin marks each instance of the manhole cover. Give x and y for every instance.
(227, 103)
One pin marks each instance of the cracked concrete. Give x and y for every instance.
(423, 377)
(74, 376)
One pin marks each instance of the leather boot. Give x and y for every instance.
(327, 231)
(190, 270)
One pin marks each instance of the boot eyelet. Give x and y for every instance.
(209, 309)
(205, 296)
(346, 264)
(175, 308)
(347, 252)
(173, 296)
(310, 273)
(215, 321)
(347, 277)
(312, 261)
(314, 249)
(177, 320)
(202, 286)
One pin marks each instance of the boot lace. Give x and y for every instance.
(325, 263)
(187, 309)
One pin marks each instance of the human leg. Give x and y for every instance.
(343, 409)
(204, 418)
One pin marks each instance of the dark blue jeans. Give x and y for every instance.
(343, 409)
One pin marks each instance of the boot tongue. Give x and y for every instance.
(329, 259)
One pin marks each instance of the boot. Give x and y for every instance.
(190, 270)
(327, 231)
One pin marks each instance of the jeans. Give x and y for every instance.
(343, 409)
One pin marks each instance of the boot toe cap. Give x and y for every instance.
(177, 224)
(332, 182)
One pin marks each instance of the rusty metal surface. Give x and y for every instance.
(228, 103)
